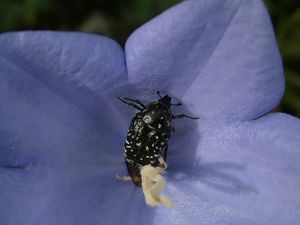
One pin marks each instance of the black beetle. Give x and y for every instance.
(148, 134)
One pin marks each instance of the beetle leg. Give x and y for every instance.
(162, 163)
(133, 104)
(158, 93)
(123, 178)
(172, 129)
(178, 104)
(184, 116)
(135, 101)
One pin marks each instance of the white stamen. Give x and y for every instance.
(153, 184)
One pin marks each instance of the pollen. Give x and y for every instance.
(153, 184)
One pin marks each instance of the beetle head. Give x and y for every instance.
(166, 100)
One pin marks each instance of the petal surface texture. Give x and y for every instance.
(220, 57)
(239, 173)
(61, 144)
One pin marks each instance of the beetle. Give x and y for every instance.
(148, 134)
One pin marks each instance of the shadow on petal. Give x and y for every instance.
(186, 137)
(217, 175)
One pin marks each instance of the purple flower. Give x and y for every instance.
(62, 129)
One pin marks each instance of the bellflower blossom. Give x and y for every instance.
(62, 128)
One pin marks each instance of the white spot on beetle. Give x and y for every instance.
(138, 144)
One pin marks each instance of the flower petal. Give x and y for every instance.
(241, 173)
(60, 148)
(220, 57)
(63, 195)
(66, 58)
(81, 68)
(41, 124)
